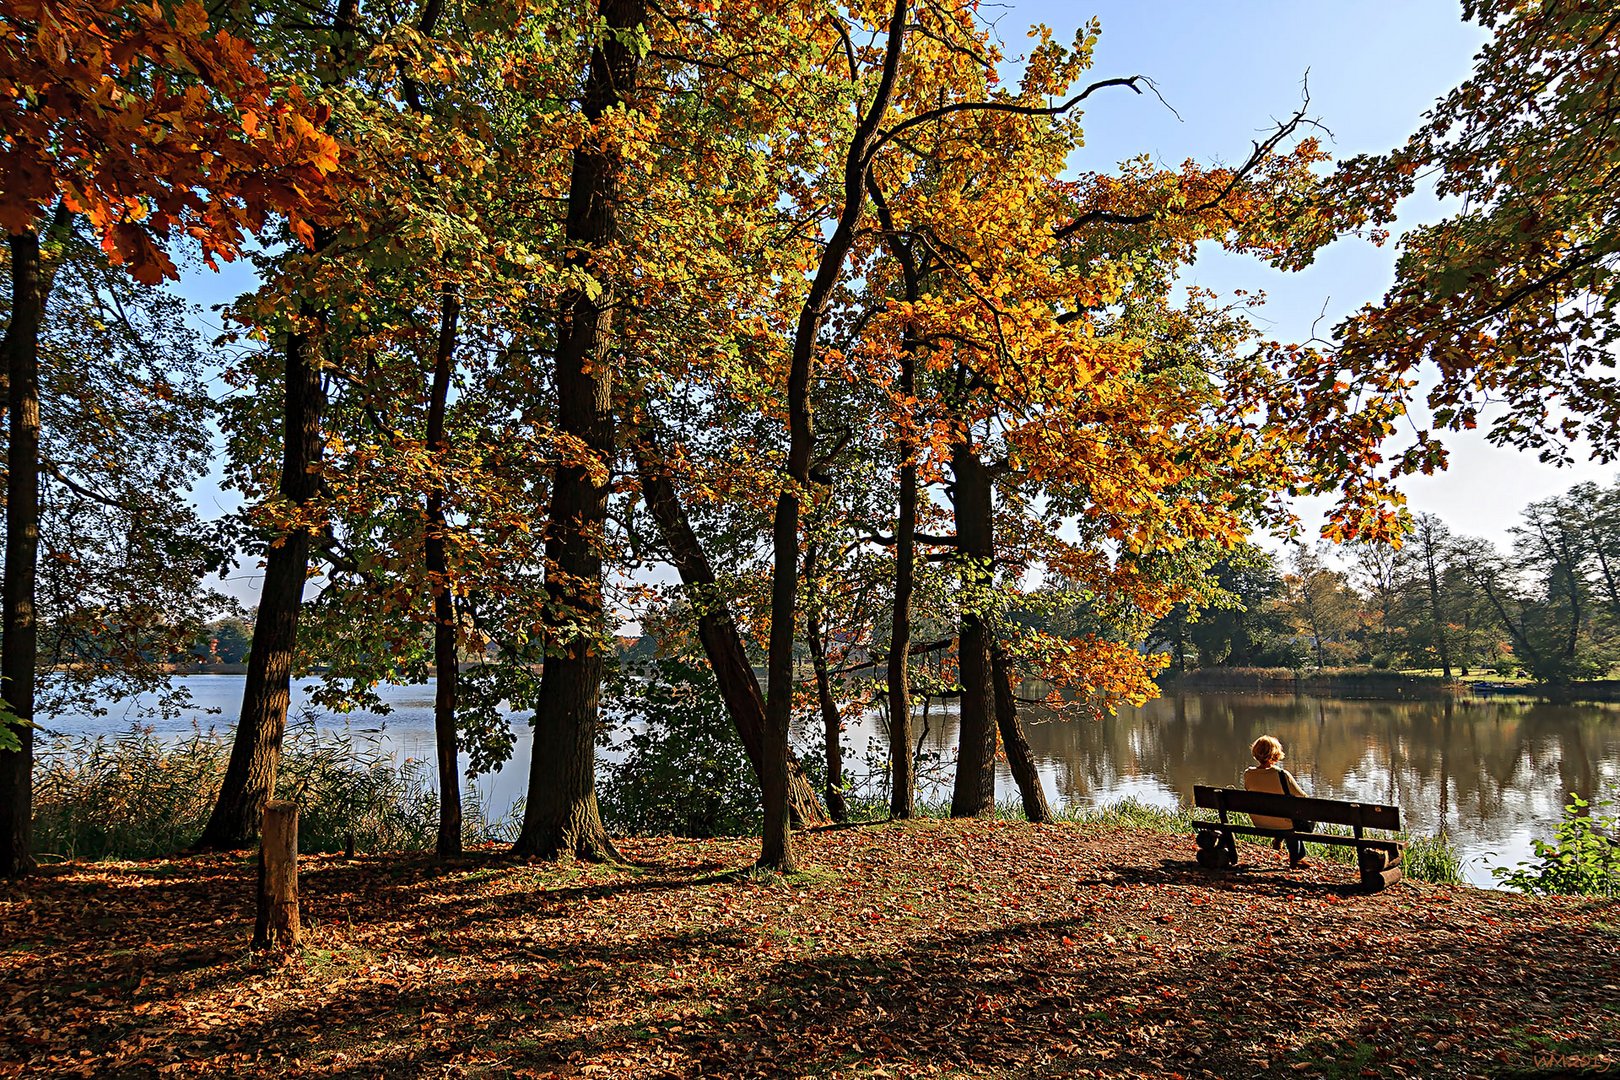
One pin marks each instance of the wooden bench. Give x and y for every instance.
(1379, 859)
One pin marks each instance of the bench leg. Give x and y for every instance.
(1216, 848)
(1380, 868)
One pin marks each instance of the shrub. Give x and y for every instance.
(676, 765)
(1582, 860)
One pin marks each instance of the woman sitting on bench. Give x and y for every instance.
(1271, 777)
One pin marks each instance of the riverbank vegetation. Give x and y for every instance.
(1441, 605)
(138, 797)
(929, 948)
(561, 311)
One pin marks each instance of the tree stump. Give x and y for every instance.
(277, 923)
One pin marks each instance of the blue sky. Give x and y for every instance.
(1228, 69)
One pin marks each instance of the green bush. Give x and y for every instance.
(137, 796)
(1582, 860)
(678, 767)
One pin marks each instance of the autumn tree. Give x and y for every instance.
(1510, 301)
(1378, 572)
(123, 402)
(1321, 603)
(430, 554)
(149, 126)
(561, 816)
(1063, 365)
(1431, 554)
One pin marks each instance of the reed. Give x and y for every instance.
(136, 795)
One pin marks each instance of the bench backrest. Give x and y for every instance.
(1329, 811)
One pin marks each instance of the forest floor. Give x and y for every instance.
(936, 948)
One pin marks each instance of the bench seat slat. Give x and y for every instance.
(1315, 838)
(1267, 804)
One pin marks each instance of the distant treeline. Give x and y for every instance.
(1548, 608)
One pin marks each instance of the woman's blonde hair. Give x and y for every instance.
(1267, 750)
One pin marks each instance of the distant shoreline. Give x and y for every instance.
(241, 669)
(1377, 685)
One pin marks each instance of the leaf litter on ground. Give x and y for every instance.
(933, 948)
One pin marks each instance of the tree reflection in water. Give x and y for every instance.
(1492, 773)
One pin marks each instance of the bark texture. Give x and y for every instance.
(717, 631)
(903, 782)
(277, 924)
(447, 671)
(19, 644)
(561, 816)
(250, 774)
(974, 794)
(1019, 758)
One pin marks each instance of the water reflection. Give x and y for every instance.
(1494, 773)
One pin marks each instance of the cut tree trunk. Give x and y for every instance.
(974, 794)
(717, 631)
(445, 660)
(561, 817)
(277, 925)
(1019, 758)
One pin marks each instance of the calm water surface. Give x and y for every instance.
(1494, 774)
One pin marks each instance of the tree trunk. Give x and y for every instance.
(277, 923)
(561, 816)
(1019, 757)
(445, 661)
(1442, 645)
(975, 791)
(832, 722)
(19, 644)
(776, 850)
(250, 774)
(717, 631)
(902, 791)
(902, 764)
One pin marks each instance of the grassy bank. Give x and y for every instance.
(1428, 858)
(1372, 683)
(1378, 684)
(933, 948)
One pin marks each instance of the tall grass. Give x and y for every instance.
(136, 795)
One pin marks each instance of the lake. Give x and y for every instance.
(1493, 773)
